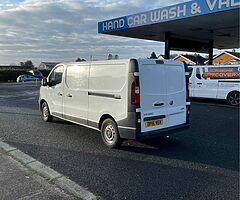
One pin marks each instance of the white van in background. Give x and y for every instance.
(124, 99)
(216, 82)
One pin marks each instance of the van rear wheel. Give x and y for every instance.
(233, 98)
(47, 117)
(110, 134)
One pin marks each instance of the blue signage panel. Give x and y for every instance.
(179, 11)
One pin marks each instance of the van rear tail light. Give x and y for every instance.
(135, 92)
(139, 117)
(188, 110)
(188, 114)
(159, 62)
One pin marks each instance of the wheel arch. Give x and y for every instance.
(232, 91)
(103, 117)
(233, 101)
(41, 102)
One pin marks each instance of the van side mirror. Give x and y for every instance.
(44, 82)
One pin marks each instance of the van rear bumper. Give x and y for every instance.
(162, 132)
(138, 135)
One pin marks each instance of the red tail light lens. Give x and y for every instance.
(135, 92)
(159, 62)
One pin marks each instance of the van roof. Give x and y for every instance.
(122, 61)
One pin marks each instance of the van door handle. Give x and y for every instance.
(69, 95)
(59, 94)
(199, 83)
(158, 104)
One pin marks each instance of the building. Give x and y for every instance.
(226, 58)
(47, 65)
(191, 59)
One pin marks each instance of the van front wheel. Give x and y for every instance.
(110, 134)
(47, 117)
(233, 98)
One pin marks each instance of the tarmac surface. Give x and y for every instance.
(200, 163)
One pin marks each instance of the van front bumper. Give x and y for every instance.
(138, 135)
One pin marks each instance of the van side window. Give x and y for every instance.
(190, 70)
(56, 76)
(198, 74)
(77, 77)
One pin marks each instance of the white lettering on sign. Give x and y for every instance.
(195, 9)
(115, 24)
(181, 12)
(137, 20)
(172, 13)
(233, 3)
(188, 9)
(221, 3)
(165, 14)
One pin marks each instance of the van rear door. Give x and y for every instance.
(176, 93)
(162, 94)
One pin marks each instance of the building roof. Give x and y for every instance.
(197, 59)
(235, 54)
(49, 64)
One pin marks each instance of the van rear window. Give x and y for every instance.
(190, 70)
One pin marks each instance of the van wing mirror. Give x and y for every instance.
(44, 82)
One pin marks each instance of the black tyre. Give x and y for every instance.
(47, 117)
(233, 98)
(110, 134)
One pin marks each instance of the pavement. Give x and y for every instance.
(18, 182)
(201, 163)
(23, 177)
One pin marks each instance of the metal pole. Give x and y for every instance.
(167, 45)
(210, 53)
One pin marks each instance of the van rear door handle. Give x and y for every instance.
(69, 95)
(157, 104)
(199, 83)
(59, 94)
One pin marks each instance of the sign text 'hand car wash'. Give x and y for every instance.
(184, 10)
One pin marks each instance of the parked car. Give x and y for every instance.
(36, 73)
(216, 82)
(26, 78)
(124, 99)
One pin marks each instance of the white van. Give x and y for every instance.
(124, 99)
(216, 82)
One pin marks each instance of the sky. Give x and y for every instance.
(63, 30)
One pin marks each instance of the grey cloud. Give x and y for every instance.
(61, 30)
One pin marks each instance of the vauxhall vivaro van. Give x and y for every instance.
(124, 99)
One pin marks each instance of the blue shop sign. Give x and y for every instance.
(179, 11)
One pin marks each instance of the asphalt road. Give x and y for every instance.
(201, 163)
